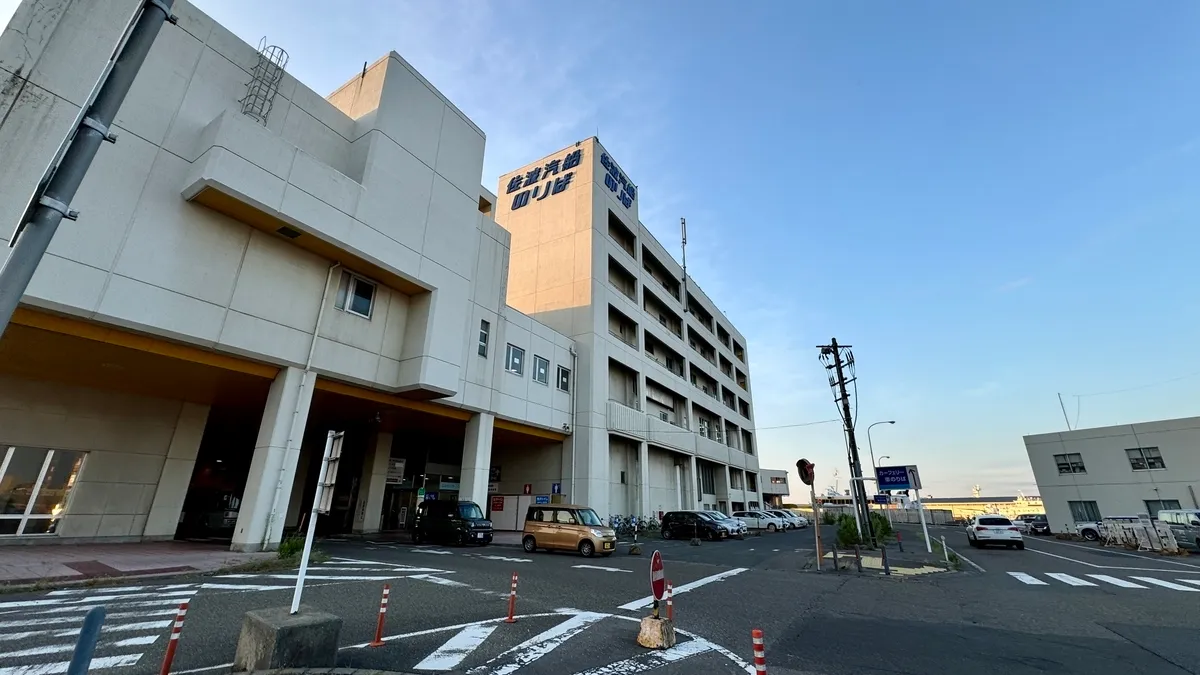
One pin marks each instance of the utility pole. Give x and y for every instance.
(831, 356)
(52, 201)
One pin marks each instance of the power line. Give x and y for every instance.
(1138, 387)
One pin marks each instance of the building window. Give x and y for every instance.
(708, 480)
(779, 480)
(622, 478)
(1145, 459)
(1084, 512)
(1153, 506)
(1070, 463)
(485, 329)
(753, 505)
(34, 485)
(514, 360)
(564, 379)
(355, 295)
(735, 482)
(541, 370)
(751, 482)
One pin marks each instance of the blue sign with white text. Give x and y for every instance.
(541, 499)
(550, 172)
(882, 499)
(894, 478)
(431, 496)
(617, 182)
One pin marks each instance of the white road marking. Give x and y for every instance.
(245, 587)
(1068, 579)
(434, 551)
(201, 670)
(1190, 581)
(100, 663)
(38, 651)
(1115, 581)
(536, 647)
(457, 648)
(1124, 553)
(649, 599)
(598, 567)
(70, 609)
(85, 591)
(72, 620)
(139, 640)
(437, 580)
(1112, 567)
(1027, 579)
(652, 660)
(1167, 584)
(141, 625)
(348, 577)
(502, 558)
(93, 599)
(775, 550)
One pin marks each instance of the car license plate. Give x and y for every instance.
(607, 545)
(479, 535)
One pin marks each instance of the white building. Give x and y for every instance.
(1086, 474)
(774, 487)
(242, 281)
(664, 408)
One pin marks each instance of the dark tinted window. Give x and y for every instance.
(995, 521)
(470, 510)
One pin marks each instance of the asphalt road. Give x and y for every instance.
(577, 615)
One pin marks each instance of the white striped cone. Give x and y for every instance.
(760, 657)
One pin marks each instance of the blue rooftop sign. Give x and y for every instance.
(555, 183)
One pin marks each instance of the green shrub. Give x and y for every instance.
(828, 518)
(847, 532)
(880, 525)
(291, 547)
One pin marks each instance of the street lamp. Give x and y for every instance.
(872, 447)
(883, 458)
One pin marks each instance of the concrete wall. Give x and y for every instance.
(539, 466)
(1110, 481)
(383, 178)
(127, 439)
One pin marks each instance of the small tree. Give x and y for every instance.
(881, 526)
(847, 532)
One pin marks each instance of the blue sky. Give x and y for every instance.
(993, 202)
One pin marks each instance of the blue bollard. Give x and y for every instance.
(89, 635)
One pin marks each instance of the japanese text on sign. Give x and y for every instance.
(617, 182)
(555, 183)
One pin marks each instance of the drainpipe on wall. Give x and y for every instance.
(312, 348)
(574, 385)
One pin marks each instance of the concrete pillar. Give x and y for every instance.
(678, 487)
(694, 483)
(369, 509)
(477, 459)
(176, 472)
(299, 485)
(644, 479)
(273, 468)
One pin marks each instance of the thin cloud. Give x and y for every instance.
(1013, 285)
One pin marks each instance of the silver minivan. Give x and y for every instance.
(1185, 525)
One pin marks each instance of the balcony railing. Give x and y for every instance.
(627, 292)
(622, 338)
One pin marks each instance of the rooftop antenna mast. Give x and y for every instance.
(683, 247)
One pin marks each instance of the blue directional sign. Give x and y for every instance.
(882, 499)
(541, 499)
(898, 478)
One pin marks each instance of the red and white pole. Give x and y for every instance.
(174, 641)
(670, 603)
(383, 604)
(512, 601)
(760, 658)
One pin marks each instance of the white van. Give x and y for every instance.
(1185, 525)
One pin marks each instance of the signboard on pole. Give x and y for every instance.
(658, 580)
(329, 469)
(395, 471)
(882, 499)
(898, 478)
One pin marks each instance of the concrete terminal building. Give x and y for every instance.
(249, 272)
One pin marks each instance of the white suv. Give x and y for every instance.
(993, 529)
(791, 520)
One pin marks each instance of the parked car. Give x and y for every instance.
(1184, 524)
(757, 520)
(688, 524)
(790, 520)
(736, 527)
(460, 523)
(567, 527)
(994, 529)
(1035, 523)
(1095, 531)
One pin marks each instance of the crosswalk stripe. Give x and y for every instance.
(1190, 581)
(457, 648)
(181, 595)
(1167, 584)
(1027, 579)
(535, 647)
(1068, 579)
(100, 663)
(1115, 581)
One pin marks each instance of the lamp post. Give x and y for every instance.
(870, 446)
(883, 458)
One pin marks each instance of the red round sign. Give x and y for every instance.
(658, 581)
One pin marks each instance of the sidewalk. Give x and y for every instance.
(71, 563)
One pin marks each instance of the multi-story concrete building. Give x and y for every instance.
(1088, 474)
(664, 417)
(249, 272)
(774, 487)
